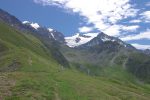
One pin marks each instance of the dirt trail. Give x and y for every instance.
(56, 93)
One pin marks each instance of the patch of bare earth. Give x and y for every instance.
(5, 85)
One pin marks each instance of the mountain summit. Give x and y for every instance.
(103, 39)
(93, 39)
(46, 32)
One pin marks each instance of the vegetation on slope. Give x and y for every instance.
(29, 71)
(139, 65)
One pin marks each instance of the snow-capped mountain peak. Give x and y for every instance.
(34, 25)
(79, 39)
(92, 39)
(104, 40)
(50, 29)
(46, 32)
(26, 22)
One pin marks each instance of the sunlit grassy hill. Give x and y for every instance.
(28, 71)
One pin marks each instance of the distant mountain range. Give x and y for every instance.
(87, 39)
(90, 48)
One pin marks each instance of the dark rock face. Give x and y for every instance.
(58, 36)
(44, 32)
(105, 42)
(77, 40)
(82, 35)
(147, 52)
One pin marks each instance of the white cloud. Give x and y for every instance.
(130, 28)
(147, 4)
(142, 35)
(135, 21)
(146, 16)
(113, 30)
(85, 29)
(104, 14)
(139, 46)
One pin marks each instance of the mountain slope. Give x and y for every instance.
(41, 33)
(30, 71)
(31, 75)
(45, 32)
(104, 50)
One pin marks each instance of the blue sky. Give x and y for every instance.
(49, 16)
(127, 19)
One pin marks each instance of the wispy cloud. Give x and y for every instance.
(142, 35)
(103, 14)
(115, 30)
(140, 46)
(146, 16)
(130, 28)
(135, 21)
(147, 3)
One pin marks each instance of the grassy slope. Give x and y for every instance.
(28, 72)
